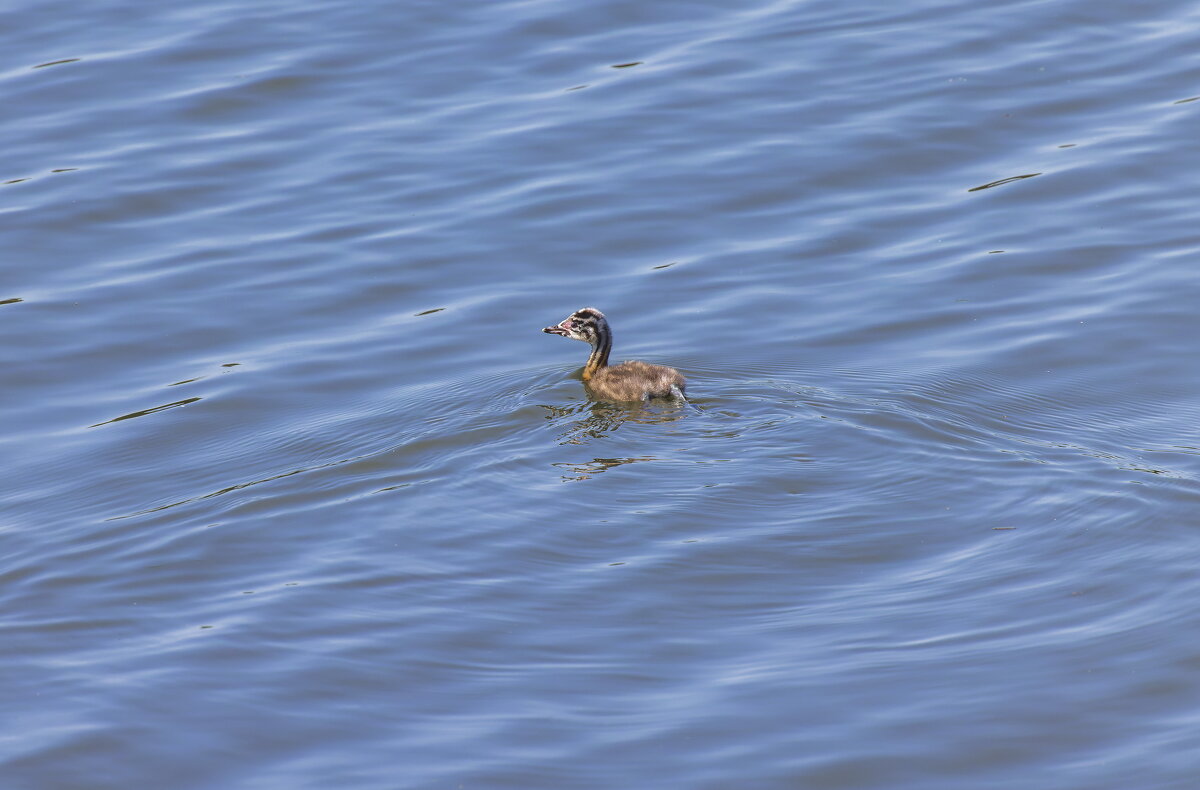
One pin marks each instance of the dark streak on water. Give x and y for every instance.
(57, 62)
(928, 522)
(144, 412)
(1003, 181)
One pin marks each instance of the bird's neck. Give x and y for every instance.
(599, 356)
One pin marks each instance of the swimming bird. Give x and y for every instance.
(629, 381)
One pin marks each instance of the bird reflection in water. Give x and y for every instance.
(588, 420)
(588, 469)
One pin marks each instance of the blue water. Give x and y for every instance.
(297, 495)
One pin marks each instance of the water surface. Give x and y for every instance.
(298, 495)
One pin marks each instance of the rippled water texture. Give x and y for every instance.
(298, 496)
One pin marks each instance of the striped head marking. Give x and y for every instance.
(586, 325)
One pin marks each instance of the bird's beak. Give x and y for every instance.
(557, 329)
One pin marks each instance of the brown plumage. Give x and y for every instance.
(629, 381)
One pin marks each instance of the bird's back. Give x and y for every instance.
(637, 380)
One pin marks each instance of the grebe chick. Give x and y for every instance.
(628, 381)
